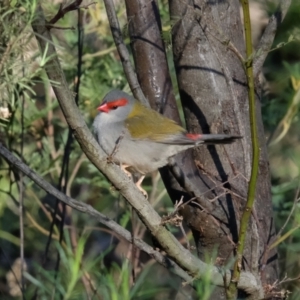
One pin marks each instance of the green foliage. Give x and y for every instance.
(112, 283)
(280, 108)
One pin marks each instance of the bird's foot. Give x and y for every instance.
(139, 183)
(123, 168)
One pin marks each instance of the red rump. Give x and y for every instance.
(108, 106)
(193, 136)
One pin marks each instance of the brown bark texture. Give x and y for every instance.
(213, 90)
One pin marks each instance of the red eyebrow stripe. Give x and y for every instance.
(118, 102)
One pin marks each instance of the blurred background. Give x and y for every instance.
(95, 263)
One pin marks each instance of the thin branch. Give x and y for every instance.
(244, 223)
(74, 173)
(99, 53)
(286, 280)
(39, 227)
(64, 10)
(226, 42)
(279, 238)
(296, 201)
(267, 38)
(123, 52)
(187, 184)
(60, 27)
(21, 199)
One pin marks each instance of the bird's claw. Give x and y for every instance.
(145, 194)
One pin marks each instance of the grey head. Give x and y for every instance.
(116, 106)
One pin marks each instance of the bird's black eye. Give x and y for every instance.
(114, 107)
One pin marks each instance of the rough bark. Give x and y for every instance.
(213, 92)
(153, 74)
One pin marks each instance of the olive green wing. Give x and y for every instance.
(147, 124)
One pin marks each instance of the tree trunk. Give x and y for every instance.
(213, 90)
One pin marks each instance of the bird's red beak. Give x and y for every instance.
(103, 108)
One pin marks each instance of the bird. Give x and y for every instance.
(140, 139)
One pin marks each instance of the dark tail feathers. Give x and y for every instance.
(210, 139)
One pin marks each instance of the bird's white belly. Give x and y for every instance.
(144, 156)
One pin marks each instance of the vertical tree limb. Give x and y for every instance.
(244, 224)
(123, 52)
